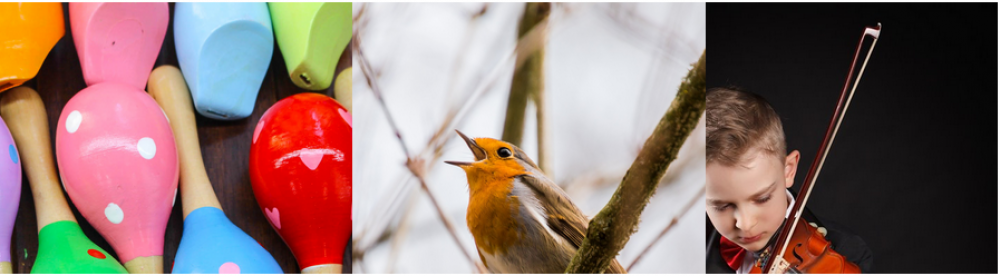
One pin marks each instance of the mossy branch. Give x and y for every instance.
(611, 229)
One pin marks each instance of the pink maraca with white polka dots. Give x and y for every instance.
(114, 145)
(118, 162)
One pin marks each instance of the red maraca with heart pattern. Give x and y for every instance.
(300, 168)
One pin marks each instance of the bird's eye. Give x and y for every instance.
(503, 152)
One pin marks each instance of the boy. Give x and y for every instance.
(747, 176)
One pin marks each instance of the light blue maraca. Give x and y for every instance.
(224, 50)
(211, 243)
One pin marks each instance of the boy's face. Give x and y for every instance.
(746, 202)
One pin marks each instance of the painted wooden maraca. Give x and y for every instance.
(118, 42)
(224, 50)
(300, 169)
(311, 37)
(114, 146)
(62, 246)
(211, 243)
(10, 193)
(27, 32)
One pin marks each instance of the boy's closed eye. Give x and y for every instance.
(759, 200)
(722, 207)
(763, 199)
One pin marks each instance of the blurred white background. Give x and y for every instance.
(611, 72)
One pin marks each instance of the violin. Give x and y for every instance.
(800, 247)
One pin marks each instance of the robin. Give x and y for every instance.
(521, 221)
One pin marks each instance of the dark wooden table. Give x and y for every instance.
(225, 146)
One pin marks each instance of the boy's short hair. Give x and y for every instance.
(738, 122)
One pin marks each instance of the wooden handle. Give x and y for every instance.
(24, 112)
(6, 268)
(167, 87)
(323, 269)
(145, 265)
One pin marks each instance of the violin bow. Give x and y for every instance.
(777, 263)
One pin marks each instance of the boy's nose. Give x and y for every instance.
(745, 220)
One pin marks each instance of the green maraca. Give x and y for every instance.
(311, 37)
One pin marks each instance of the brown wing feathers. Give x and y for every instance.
(564, 217)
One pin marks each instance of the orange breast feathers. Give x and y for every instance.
(492, 209)
(491, 218)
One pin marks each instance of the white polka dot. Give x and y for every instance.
(73, 121)
(146, 147)
(114, 213)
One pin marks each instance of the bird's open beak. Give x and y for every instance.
(458, 163)
(479, 152)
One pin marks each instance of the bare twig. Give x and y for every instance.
(398, 237)
(593, 179)
(534, 70)
(415, 165)
(384, 215)
(361, 13)
(673, 222)
(528, 77)
(542, 124)
(662, 38)
(610, 230)
(359, 265)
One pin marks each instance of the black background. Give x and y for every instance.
(225, 148)
(912, 169)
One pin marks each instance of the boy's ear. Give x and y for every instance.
(791, 165)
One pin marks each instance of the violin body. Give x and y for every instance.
(810, 252)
